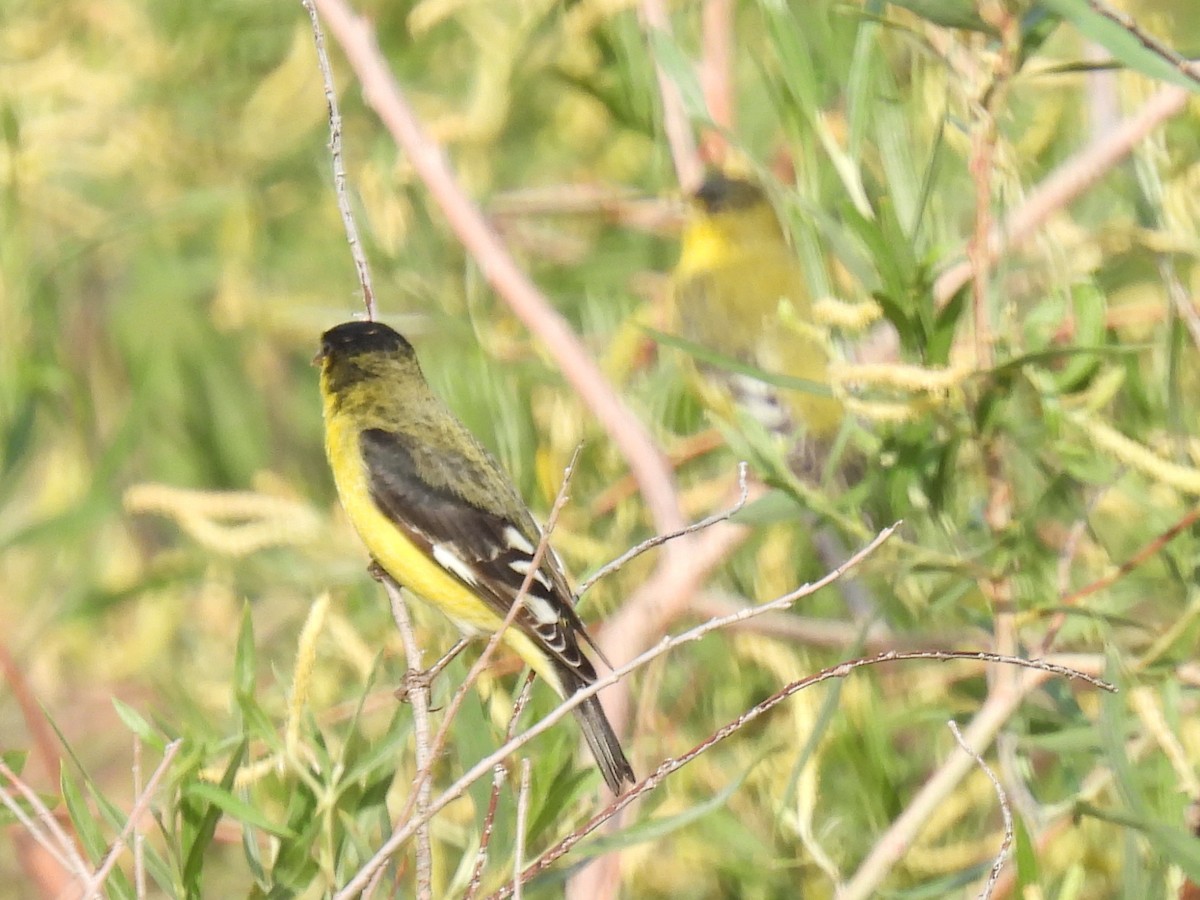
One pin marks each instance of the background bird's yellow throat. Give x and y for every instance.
(735, 270)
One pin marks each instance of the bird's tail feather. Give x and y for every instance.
(603, 743)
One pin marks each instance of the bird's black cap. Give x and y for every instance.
(353, 338)
(719, 192)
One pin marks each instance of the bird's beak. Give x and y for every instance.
(319, 358)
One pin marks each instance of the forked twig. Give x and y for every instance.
(96, 881)
(56, 843)
(659, 539)
(841, 670)
(405, 831)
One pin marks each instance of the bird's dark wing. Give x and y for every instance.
(488, 552)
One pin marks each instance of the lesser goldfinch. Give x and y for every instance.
(440, 516)
(735, 270)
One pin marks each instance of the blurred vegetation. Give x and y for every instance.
(171, 250)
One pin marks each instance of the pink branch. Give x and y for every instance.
(1066, 183)
(383, 94)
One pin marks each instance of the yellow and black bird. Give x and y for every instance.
(440, 516)
(735, 271)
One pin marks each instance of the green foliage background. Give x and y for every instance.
(170, 250)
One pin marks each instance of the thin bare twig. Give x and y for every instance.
(64, 853)
(448, 657)
(659, 539)
(1186, 67)
(416, 684)
(405, 831)
(139, 839)
(339, 167)
(485, 834)
(96, 881)
(994, 876)
(498, 773)
(522, 812)
(383, 94)
(668, 766)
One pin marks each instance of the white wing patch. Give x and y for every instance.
(522, 567)
(450, 561)
(761, 401)
(541, 609)
(517, 541)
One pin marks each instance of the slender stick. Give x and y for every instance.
(63, 852)
(339, 166)
(417, 686)
(522, 813)
(994, 875)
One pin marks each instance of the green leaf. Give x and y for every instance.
(244, 659)
(773, 506)
(1125, 46)
(233, 806)
(1025, 856)
(15, 759)
(568, 783)
(294, 867)
(202, 818)
(86, 829)
(713, 358)
(949, 14)
(682, 73)
(133, 720)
